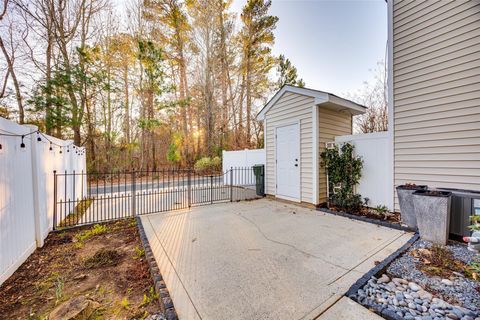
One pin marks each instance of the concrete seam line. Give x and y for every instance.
(387, 258)
(174, 269)
(290, 245)
(351, 293)
(371, 255)
(329, 307)
(161, 289)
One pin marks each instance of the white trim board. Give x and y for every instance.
(315, 159)
(319, 96)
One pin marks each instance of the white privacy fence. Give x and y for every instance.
(242, 159)
(27, 189)
(376, 182)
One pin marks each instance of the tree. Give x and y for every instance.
(256, 39)
(9, 55)
(176, 82)
(287, 73)
(374, 97)
(171, 28)
(151, 89)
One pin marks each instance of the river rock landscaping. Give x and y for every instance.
(94, 272)
(426, 282)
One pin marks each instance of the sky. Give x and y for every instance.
(334, 44)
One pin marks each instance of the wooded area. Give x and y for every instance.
(158, 83)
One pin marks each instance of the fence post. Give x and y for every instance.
(134, 194)
(211, 189)
(231, 184)
(189, 189)
(54, 199)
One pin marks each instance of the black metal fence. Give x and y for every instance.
(85, 198)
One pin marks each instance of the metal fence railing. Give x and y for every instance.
(117, 195)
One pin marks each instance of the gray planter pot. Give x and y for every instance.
(433, 214)
(405, 200)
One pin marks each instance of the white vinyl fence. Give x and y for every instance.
(26, 189)
(376, 182)
(242, 159)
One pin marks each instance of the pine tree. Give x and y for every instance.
(287, 73)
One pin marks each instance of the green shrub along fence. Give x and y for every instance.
(344, 171)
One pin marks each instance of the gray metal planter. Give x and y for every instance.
(432, 209)
(405, 200)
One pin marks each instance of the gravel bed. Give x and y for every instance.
(408, 300)
(458, 289)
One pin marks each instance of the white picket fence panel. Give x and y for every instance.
(26, 190)
(376, 182)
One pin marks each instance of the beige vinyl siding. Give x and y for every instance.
(290, 108)
(331, 124)
(436, 93)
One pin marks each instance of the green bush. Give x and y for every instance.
(344, 172)
(207, 164)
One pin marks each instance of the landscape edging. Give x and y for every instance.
(366, 219)
(160, 287)
(375, 271)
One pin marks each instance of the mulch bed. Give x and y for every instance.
(105, 263)
(371, 213)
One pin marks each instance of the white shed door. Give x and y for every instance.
(288, 162)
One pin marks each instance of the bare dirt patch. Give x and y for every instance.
(104, 263)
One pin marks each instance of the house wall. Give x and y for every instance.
(331, 124)
(291, 107)
(436, 93)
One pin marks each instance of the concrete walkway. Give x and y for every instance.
(263, 259)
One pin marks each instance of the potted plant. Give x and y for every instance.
(432, 209)
(405, 200)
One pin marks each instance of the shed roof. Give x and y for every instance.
(321, 97)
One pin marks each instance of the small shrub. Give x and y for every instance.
(139, 253)
(148, 298)
(344, 170)
(207, 164)
(381, 209)
(475, 223)
(473, 270)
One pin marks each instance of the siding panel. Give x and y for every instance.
(436, 93)
(289, 108)
(331, 124)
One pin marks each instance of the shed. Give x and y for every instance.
(298, 122)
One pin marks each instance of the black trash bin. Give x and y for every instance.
(259, 172)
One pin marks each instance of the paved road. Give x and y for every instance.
(115, 205)
(264, 259)
(93, 188)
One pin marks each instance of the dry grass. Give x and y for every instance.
(438, 261)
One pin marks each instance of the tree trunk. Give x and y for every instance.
(16, 85)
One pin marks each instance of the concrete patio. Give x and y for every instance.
(265, 259)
